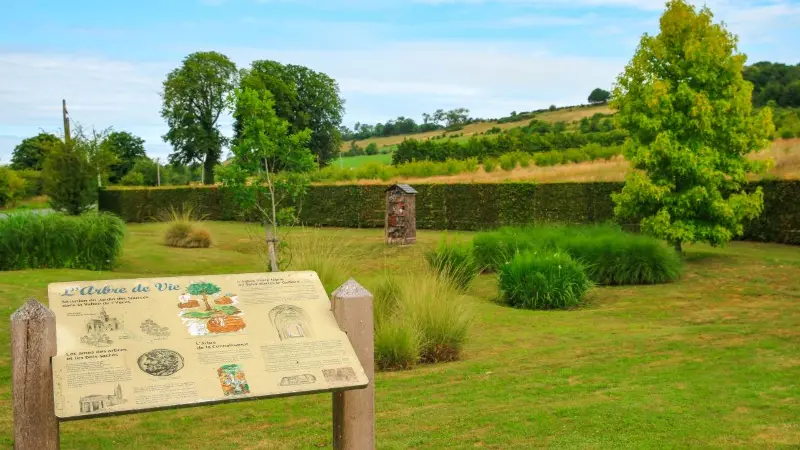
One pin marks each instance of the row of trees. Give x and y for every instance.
(437, 120)
(208, 85)
(776, 82)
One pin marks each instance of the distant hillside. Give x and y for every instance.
(566, 115)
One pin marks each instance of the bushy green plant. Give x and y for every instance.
(34, 183)
(177, 233)
(534, 280)
(70, 178)
(609, 255)
(31, 241)
(455, 262)
(12, 187)
(489, 165)
(132, 179)
(508, 162)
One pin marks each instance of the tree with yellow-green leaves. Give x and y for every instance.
(688, 111)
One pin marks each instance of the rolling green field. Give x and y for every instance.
(711, 361)
(358, 161)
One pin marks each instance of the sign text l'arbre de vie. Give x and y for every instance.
(131, 345)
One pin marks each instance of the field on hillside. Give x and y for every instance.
(566, 115)
(710, 361)
(348, 162)
(784, 152)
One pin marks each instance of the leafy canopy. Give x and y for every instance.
(31, 152)
(688, 111)
(128, 148)
(599, 96)
(203, 288)
(195, 96)
(304, 98)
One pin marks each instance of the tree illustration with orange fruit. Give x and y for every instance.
(204, 290)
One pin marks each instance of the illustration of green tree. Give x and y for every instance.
(204, 289)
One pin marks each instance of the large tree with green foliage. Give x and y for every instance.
(265, 146)
(128, 148)
(195, 96)
(599, 96)
(687, 109)
(304, 98)
(31, 152)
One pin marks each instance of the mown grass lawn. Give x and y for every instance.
(349, 162)
(712, 361)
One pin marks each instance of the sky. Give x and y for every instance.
(391, 58)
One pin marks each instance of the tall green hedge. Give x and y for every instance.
(452, 206)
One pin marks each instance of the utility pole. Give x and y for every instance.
(66, 121)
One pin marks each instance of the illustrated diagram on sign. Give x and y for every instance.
(150, 328)
(294, 380)
(97, 403)
(202, 318)
(232, 380)
(290, 322)
(98, 328)
(160, 362)
(342, 374)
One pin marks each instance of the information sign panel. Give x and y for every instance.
(144, 344)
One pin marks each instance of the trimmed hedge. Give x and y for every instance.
(451, 206)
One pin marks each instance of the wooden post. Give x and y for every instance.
(354, 411)
(33, 343)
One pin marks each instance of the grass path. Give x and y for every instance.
(711, 361)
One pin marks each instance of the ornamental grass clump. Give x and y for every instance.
(183, 229)
(532, 280)
(419, 318)
(455, 262)
(610, 255)
(32, 241)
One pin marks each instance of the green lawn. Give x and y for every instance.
(358, 161)
(712, 361)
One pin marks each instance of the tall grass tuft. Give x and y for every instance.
(32, 241)
(455, 262)
(609, 255)
(183, 229)
(419, 317)
(328, 255)
(533, 280)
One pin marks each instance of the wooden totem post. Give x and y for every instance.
(354, 411)
(33, 343)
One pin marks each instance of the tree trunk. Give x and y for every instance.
(677, 246)
(208, 170)
(205, 300)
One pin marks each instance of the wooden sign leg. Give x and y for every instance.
(354, 411)
(33, 343)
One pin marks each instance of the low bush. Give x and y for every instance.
(34, 183)
(508, 162)
(198, 238)
(183, 229)
(609, 255)
(32, 241)
(489, 165)
(534, 280)
(455, 262)
(419, 317)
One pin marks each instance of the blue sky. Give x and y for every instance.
(390, 57)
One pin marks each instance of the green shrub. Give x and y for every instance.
(132, 179)
(489, 165)
(609, 255)
(12, 187)
(34, 183)
(508, 162)
(454, 262)
(787, 134)
(550, 158)
(32, 241)
(70, 180)
(534, 280)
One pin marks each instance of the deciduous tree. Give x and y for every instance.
(195, 96)
(687, 109)
(128, 148)
(304, 98)
(31, 152)
(599, 96)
